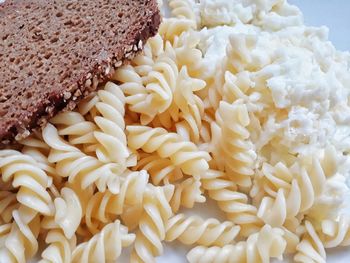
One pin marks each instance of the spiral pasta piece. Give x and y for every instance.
(159, 169)
(172, 27)
(59, 249)
(293, 191)
(68, 211)
(186, 194)
(39, 151)
(8, 204)
(169, 145)
(310, 249)
(238, 150)
(182, 9)
(137, 97)
(160, 84)
(29, 178)
(80, 132)
(336, 232)
(102, 208)
(235, 204)
(189, 106)
(112, 140)
(157, 211)
(195, 230)
(259, 247)
(77, 166)
(104, 246)
(21, 244)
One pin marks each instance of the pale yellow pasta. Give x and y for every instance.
(160, 84)
(258, 248)
(111, 137)
(5, 229)
(8, 203)
(102, 208)
(137, 97)
(336, 232)
(159, 169)
(168, 145)
(77, 166)
(310, 249)
(68, 211)
(21, 244)
(29, 178)
(172, 27)
(234, 203)
(186, 194)
(185, 50)
(195, 230)
(290, 191)
(104, 246)
(182, 9)
(59, 248)
(79, 131)
(151, 232)
(236, 148)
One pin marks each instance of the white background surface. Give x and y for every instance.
(335, 14)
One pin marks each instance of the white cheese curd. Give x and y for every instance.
(299, 81)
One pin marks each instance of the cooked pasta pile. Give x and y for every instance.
(234, 101)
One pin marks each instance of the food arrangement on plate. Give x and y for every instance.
(115, 118)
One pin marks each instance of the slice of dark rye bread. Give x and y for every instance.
(54, 53)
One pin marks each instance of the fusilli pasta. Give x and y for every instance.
(259, 247)
(195, 230)
(104, 246)
(169, 145)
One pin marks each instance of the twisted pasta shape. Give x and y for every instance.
(160, 169)
(186, 194)
(21, 244)
(151, 231)
(77, 166)
(68, 212)
(5, 229)
(186, 52)
(238, 150)
(137, 98)
(112, 140)
(8, 204)
(235, 204)
(102, 208)
(195, 230)
(310, 249)
(336, 232)
(160, 83)
(182, 9)
(238, 87)
(259, 247)
(172, 27)
(31, 180)
(80, 132)
(169, 145)
(143, 63)
(293, 191)
(188, 105)
(104, 246)
(60, 248)
(39, 151)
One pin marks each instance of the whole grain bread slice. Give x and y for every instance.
(54, 53)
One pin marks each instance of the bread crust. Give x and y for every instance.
(55, 53)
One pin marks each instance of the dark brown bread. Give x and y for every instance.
(54, 53)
